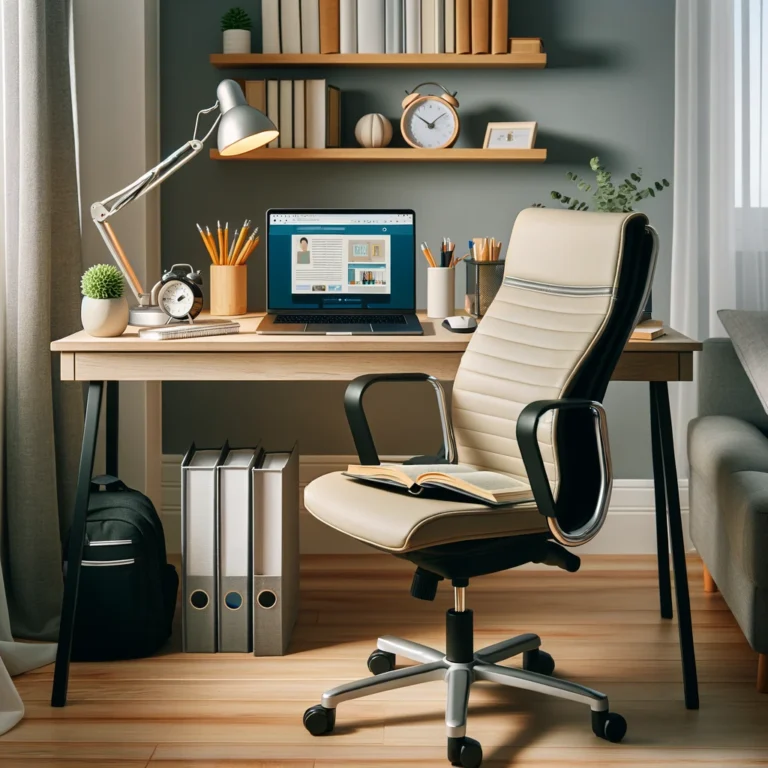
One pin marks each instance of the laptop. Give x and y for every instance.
(341, 272)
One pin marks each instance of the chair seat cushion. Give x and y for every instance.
(399, 522)
(729, 494)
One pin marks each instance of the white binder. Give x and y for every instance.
(235, 603)
(275, 551)
(199, 548)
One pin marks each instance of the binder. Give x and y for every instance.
(481, 26)
(499, 26)
(235, 603)
(275, 551)
(199, 546)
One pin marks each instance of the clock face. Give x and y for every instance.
(429, 123)
(176, 299)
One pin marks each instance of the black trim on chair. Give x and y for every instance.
(358, 423)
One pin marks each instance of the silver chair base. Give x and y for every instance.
(459, 677)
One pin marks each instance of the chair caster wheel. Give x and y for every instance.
(465, 752)
(319, 720)
(610, 726)
(538, 661)
(380, 662)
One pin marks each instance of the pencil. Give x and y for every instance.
(220, 233)
(246, 245)
(225, 252)
(212, 243)
(232, 245)
(428, 255)
(239, 244)
(253, 247)
(207, 244)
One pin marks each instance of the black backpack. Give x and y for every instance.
(127, 593)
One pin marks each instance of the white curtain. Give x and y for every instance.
(720, 238)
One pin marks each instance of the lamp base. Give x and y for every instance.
(147, 317)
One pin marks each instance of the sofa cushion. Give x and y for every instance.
(729, 492)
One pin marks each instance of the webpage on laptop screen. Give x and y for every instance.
(341, 261)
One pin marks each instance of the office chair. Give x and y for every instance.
(526, 403)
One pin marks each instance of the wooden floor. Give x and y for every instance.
(602, 626)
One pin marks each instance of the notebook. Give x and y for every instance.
(189, 331)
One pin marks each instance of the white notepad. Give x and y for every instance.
(189, 331)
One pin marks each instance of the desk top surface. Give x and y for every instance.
(435, 339)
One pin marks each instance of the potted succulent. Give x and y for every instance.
(104, 311)
(236, 27)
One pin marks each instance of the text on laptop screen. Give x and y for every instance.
(341, 260)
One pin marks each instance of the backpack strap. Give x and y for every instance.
(109, 482)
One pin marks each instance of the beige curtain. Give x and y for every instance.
(40, 252)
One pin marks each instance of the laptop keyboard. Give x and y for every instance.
(341, 319)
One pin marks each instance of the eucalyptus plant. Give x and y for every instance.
(235, 18)
(607, 197)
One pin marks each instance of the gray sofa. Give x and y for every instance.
(728, 455)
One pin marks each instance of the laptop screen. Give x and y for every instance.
(341, 260)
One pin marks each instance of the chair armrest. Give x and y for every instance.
(527, 439)
(358, 423)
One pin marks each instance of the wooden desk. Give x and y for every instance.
(250, 357)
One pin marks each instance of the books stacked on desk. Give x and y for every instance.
(648, 330)
(306, 112)
(387, 26)
(240, 550)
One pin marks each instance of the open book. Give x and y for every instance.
(489, 487)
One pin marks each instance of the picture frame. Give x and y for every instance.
(510, 136)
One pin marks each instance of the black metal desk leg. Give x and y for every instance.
(113, 417)
(660, 399)
(660, 499)
(76, 542)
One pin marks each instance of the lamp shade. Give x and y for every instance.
(242, 127)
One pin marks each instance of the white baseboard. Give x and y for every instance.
(629, 530)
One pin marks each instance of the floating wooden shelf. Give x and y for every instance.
(401, 60)
(358, 154)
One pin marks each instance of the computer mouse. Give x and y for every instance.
(460, 324)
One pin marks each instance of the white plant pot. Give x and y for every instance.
(104, 317)
(237, 41)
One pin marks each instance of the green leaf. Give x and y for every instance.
(665, 182)
(555, 195)
(658, 186)
(651, 192)
(634, 177)
(564, 199)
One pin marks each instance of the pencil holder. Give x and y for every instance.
(484, 279)
(229, 290)
(441, 285)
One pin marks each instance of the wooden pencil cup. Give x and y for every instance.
(229, 290)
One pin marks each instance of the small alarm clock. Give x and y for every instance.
(430, 122)
(179, 294)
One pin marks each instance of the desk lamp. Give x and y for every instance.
(241, 129)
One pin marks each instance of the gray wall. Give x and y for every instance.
(608, 91)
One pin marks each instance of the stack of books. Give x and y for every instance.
(306, 112)
(386, 26)
(240, 550)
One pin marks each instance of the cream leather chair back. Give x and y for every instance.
(543, 330)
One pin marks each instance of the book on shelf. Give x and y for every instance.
(648, 330)
(273, 108)
(525, 45)
(348, 26)
(371, 26)
(393, 26)
(290, 26)
(412, 20)
(323, 115)
(428, 34)
(463, 26)
(488, 487)
(450, 26)
(329, 26)
(439, 26)
(481, 26)
(270, 26)
(310, 26)
(299, 115)
(499, 26)
(286, 114)
(256, 94)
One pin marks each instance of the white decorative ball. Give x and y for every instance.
(373, 130)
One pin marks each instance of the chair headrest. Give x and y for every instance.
(570, 248)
